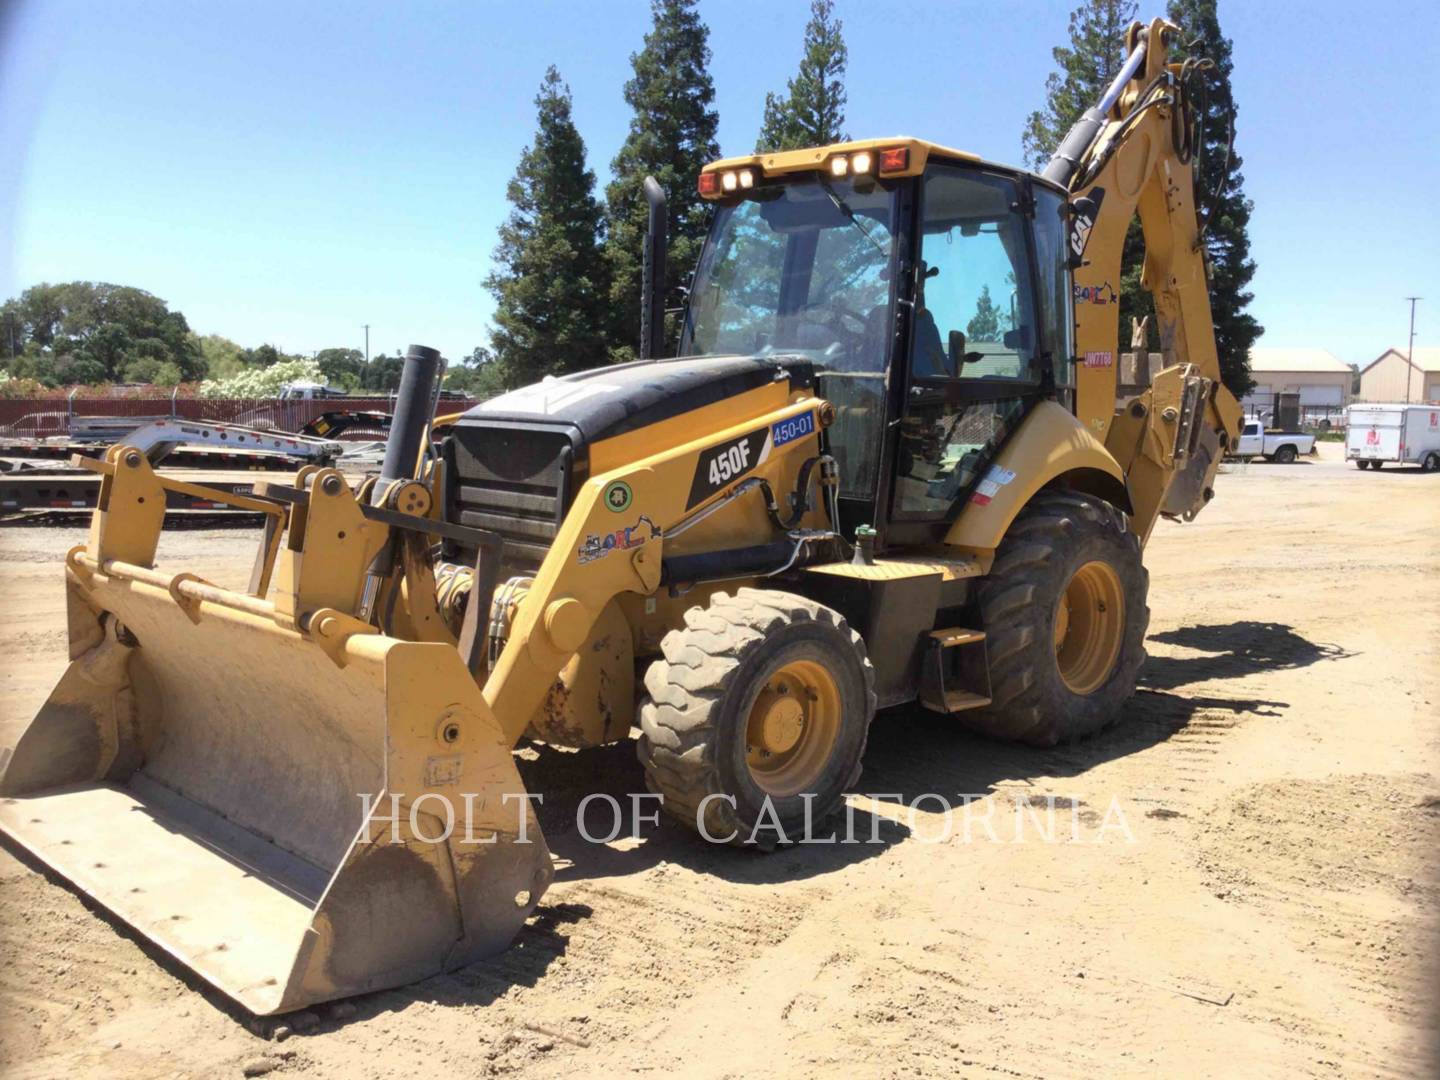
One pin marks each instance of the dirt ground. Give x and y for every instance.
(1243, 878)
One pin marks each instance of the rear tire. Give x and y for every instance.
(1285, 455)
(1377, 465)
(763, 695)
(1067, 562)
(1431, 463)
(1362, 465)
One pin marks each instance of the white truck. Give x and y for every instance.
(1403, 434)
(1282, 447)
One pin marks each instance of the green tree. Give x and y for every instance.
(97, 330)
(1086, 66)
(221, 357)
(811, 112)
(1227, 240)
(477, 374)
(550, 277)
(672, 135)
(984, 325)
(264, 356)
(153, 370)
(382, 375)
(344, 368)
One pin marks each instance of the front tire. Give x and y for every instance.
(1064, 611)
(763, 701)
(1431, 463)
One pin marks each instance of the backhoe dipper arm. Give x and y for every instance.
(1132, 153)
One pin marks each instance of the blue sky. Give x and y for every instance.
(286, 172)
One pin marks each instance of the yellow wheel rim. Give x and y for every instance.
(1089, 627)
(792, 728)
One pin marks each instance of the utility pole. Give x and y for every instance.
(367, 344)
(1410, 359)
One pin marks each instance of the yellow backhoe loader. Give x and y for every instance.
(888, 465)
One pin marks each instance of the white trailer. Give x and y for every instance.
(1402, 434)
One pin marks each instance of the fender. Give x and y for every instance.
(1050, 445)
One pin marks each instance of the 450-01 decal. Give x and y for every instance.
(729, 461)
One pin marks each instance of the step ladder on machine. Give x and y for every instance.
(956, 675)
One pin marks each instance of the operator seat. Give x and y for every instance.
(927, 352)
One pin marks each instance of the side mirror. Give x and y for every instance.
(1017, 339)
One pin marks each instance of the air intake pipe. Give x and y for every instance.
(652, 287)
(414, 408)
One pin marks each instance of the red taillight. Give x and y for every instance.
(709, 183)
(896, 159)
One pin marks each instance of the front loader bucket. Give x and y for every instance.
(272, 811)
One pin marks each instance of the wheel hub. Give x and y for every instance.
(792, 728)
(1089, 627)
(781, 720)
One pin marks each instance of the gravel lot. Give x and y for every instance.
(1244, 877)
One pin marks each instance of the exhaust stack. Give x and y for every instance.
(652, 288)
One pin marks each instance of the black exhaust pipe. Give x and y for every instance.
(414, 405)
(652, 281)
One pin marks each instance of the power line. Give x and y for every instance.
(1410, 359)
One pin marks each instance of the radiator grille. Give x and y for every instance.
(513, 481)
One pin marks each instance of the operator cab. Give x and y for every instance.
(927, 288)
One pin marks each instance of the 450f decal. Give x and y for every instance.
(729, 461)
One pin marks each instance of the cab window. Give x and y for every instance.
(973, 342)
(975, 316)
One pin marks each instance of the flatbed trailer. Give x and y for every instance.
(182, 457)
(52, 491)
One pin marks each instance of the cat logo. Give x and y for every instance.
(1083, 222)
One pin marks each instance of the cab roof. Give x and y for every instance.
(811, 159)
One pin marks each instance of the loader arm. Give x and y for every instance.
(599, 554)
(1133, 154)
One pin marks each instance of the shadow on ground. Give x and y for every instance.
(911, 752)
(1234, 650)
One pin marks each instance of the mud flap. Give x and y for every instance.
(295, 824)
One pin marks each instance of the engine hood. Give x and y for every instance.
(610, 401)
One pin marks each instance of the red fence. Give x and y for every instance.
(40, 417)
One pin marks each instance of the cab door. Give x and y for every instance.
(979, 347)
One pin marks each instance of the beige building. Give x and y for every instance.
(1320, 378)
(1392, 377)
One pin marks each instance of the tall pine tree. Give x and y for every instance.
(672, 135)
(550, 281)
(1227, 242)
(1087, 65)
(812, 110)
